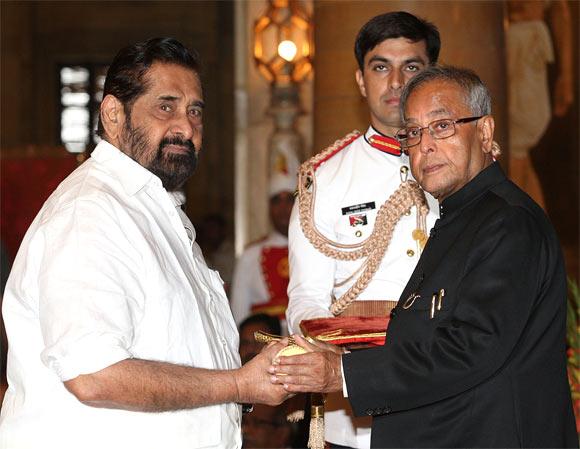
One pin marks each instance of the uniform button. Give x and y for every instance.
(358, 233)
(408, 212)
(410, 253)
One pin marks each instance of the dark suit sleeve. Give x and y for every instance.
(499, 286)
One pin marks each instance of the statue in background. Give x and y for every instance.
(529, 51)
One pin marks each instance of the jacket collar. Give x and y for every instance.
(382, 142)
(483, 181)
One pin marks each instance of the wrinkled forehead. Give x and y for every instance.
(436, 98)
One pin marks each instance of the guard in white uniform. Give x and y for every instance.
(261, 275)
(359, 181)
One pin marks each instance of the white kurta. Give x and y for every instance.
(249, 287)
(108, 271)
(359, 178)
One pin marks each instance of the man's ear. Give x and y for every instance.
(485, 132)
(361, 82)
(112, 118)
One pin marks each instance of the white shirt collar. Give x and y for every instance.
(132, 176)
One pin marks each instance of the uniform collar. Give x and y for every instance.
(277, 239)
(132, 176)
(383, 143)
(483, 182)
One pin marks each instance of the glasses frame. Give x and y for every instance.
(402, 140)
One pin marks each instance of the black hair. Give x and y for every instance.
(393, 25)
(126, 75)
(271, 323)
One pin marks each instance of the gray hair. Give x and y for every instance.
(476, 95)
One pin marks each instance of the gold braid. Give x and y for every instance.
(373, 248)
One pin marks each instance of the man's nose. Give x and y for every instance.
(182, 126)
(427, 144)
(397, 80)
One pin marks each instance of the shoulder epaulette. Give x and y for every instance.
(319, 158)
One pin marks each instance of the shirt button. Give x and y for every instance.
(410, 253)
(358, 233)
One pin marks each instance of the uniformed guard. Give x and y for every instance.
(261, 275)
(361, 221)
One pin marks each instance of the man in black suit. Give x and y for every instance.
(475, 351)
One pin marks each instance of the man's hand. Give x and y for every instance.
(316, 371)
(253, 380)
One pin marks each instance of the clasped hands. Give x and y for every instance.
(271, 379)
(318, 370)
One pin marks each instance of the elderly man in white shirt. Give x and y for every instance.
(119, 334)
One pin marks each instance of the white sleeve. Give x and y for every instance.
(241, 291)
(90, 289)
(311, 275)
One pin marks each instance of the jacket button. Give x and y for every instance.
(393, 313)
(369, 411)
(388, 410)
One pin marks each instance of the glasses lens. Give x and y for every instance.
(441, 129)
(413, 135)
(401, 136)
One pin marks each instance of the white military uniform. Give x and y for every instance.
(249, 286)
(351, 186)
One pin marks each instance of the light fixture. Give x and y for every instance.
(283, 52)
(283, 43)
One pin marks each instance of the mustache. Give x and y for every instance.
(179, 141)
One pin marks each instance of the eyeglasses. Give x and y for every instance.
(439, 129)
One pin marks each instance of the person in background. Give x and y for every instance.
(261, 274)
(217, 247)
(529, 52)
(249, 347)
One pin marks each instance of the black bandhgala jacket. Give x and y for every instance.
(487, 366)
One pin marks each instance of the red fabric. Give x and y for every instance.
(25, 184)
(349, 330)
(385, 144)
(274, 263)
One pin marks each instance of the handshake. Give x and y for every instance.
(271, 377)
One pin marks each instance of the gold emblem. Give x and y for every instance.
(420, 237)
(283, 268)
